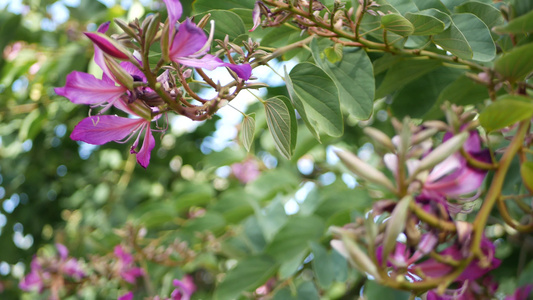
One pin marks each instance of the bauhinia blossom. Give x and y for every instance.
(184, 288)
(126, 266)
(189, 44)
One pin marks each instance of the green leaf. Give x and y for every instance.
(226, 23)
(526, 170)
(281, 121)
(289, 268)
(454, 41)
(293, 238)
(403, 72)
(323, 265)
(315, 97)
(517, 64)
(354, 78)
(248, 131)
(506, 111)
(424, 24)
(489, 14)
(249, 274)
(398, 24)
(462, 91)
(477, 35)
(443, 17)
(522, 24)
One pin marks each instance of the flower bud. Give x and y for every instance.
(127, 29)
(150, 30)
(123, 77)
(423, 135)
(364, 170)
(379, 137)
(108, 45)
(441, 152)
(395, 225)
(356, 256)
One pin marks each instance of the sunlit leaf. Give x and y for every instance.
(522, 24)
(424, 24)
(517, 64)
(477, 35)
(506, 111)
(398, 24)
(489, 14)
(281, 122)
(248, 131)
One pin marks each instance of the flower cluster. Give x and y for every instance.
(143, 92)
(50, 273)
(417, 243)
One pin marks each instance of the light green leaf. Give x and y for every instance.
(354, 78)
(288, 268)
(398, 24)
(281, 121)
(522, 24)
(526, 170)
(431, 4)
(249, 274)
(424, 24)
(293, 238)
(315, 96)
(477, 35)
(517, 64)
(489, 14)
(374, 290)
(506, 111)
(248, 131)
(443, 17)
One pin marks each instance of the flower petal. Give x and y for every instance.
(103, 42)
(62, 250)
(174, 11)
(256, 15)
(244, 71)
(189, 39)
(143, 156)
(83, 88)
(98, 130)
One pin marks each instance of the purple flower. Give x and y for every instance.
(106, 45)
(34, 280)
(126, 266)
(246, 171)
(189, 44)
(453, 177)
(184, 288)
(256, 15)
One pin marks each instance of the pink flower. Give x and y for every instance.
(34, 280)
(127, 296)
(184, 288)
(521, 293)
(126, 266)
(189, 45)
(246, 171)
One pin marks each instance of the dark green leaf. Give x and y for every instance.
(373, 290)
(506, 111)
(477, 35)
(323, 265)
(249, 274)
(522, 24)
(454, 41)
(404, 72)
(489, 14)
(200, 6)
(226, 23)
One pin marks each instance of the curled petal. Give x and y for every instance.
(98, 130)
(103, 27)
(189, 39)
(83, 88)
(208, 62)
(143, 156)
(256, 15)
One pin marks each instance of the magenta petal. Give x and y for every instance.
(130, 274)
(128, 296)
(174, 11)
(208, 62)
(143, 156)
(122, 255)
(83, 88)
(98, 130)
(31, 282)
(189, 39)
(62, 250)
(103, 27)
(244, 71)
(105, 45)
(131, 69)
